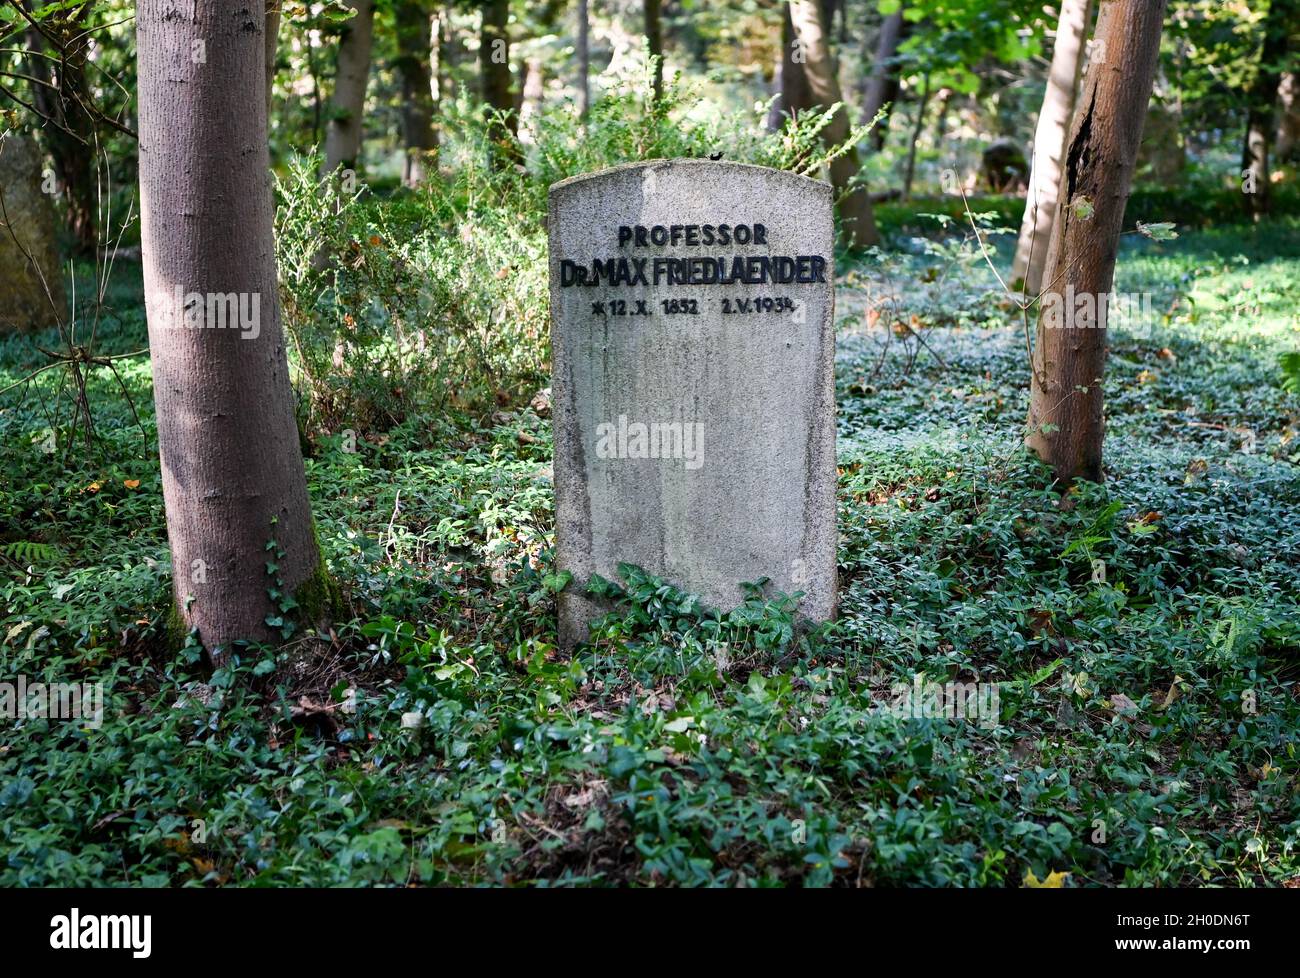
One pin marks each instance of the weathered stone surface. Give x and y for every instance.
(27, 302)
(732, 381)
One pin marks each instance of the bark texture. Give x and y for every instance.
(231, 464)
(1070, 353)
(346, 126)
(1049, 143)
(853, 201)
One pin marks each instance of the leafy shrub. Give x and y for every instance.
(437, 298)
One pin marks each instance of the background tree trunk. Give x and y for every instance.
(1049, 143)
(449, 51)
(1163, 156)
(654, 34)
(531, 97)
(584, 60)
(346, 126)
(272, 52)
(1279, 23)
(909, 172)
(1070, 354)
(883, 83)
(795, 95)
(494, 65)
(231, 463)
(32, 292)
(1288, 123)
(414, 50)
(854, 202)
(944, 100)
(63, 100)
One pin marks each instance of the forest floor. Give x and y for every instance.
(1144, 725)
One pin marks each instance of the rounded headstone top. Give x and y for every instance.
(793, 181)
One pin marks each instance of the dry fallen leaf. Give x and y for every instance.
(1121, 703)
(1171, 695)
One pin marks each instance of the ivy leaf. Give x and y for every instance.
(555, 583)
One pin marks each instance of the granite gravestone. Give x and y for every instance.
(693, 389)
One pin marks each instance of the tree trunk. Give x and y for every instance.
(530, 104)
(63, 99)
(437, 86)
(654, 35)
(231, 463)
(32, 292)
(882, 84)
(795, 95)
(494, 64)
(346, 126)
(449, 51)
(1163, 156)
(1049, 143)
(910, 170)
(1280, 21)
(1288, 123)
(584, 60)
(414, 50)
(854, 201)
(944, 98)
(313, 71)
(272, 51)
(1066, 423)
